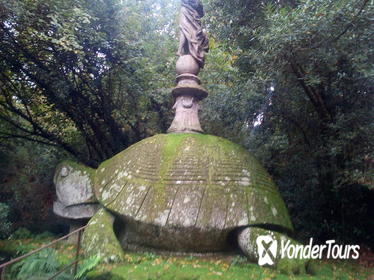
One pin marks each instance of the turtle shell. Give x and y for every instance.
(188, 191)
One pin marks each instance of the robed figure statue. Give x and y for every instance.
(193, 40)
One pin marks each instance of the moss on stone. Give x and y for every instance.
(225, 170)
(81, 167)
(100, 239)
(285, 265)
(83, 171)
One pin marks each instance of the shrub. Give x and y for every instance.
(41, 264)
(21, 233)
(5, 224)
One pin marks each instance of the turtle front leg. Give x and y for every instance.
(264, 247)
(99, 238)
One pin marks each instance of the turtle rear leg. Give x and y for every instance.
(264, 247)
(99, 238)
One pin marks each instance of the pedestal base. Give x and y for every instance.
(186, 118)
(187, 94)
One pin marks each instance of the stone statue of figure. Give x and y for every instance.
(193, 40)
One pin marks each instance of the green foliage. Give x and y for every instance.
(86, 266)
(5, 224)
(21, 233)
(42, 264)
(26, 185)
(23, 248)
(17, 247)
(24, 233)
(239, 260)
(303, 104)
(150, 256)
(44, 235)
(47, 263)
(88, 77)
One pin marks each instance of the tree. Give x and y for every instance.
(80, 75)
(309, 63)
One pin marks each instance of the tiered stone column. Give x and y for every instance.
(187, 95)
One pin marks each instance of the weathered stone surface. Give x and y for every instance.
(99, 238)
(81, 211)
(187, 192)
(75, 197)
(237, 208)
(186, 116)
(157, 205)
(213, 209)
(183, 192)
(193, 40)
(187, 86)
(247, 241)
(188, 198)
(187, 64)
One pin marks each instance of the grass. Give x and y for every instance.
(154, 267)
(150, 266)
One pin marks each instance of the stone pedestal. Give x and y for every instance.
(186, 115)
(187, 94)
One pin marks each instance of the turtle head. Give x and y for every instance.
(75, 196)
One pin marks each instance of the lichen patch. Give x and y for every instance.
(244, 181)
(274, 211)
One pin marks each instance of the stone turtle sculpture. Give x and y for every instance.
(179, 192)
